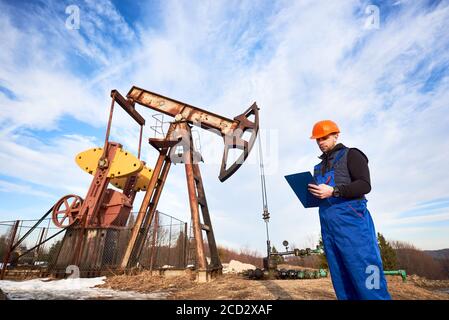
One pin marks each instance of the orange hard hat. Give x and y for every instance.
(324, 128)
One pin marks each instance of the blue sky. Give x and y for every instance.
(302, 61)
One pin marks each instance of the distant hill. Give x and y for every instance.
(438, 254)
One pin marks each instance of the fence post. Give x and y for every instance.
(8, 253)
(185, 246)
(169, 241)
(153, 242)
(36, 253)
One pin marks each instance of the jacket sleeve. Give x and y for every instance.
(360, 177)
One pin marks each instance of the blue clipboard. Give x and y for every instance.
(298, 182)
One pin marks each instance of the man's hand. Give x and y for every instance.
(321, 191)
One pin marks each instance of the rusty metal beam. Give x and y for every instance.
(142, 211)
(174, 107)
(128, 106)
(201, 196)
(196, 223)
(232, 131)
(151, 209)
(144, 217)
(140, 142)
(197, 201)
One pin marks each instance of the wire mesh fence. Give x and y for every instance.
(37, 246)
(27, 247)
(165, 245)
(6, 228)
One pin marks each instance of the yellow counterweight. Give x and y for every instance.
(122, 166)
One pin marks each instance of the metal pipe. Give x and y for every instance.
(401, 273)
(140, 142)
(108, 129)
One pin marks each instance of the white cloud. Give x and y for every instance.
(301, 62)
(7, 187)
(48, 165)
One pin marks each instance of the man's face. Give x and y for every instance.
(328, 142)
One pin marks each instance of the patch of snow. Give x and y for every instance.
(69, 289)
(235, 266)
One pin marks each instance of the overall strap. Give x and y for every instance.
(338, 156)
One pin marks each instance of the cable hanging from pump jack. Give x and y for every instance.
(266, 214)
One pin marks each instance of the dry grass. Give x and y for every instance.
(235, 287)
(146, 282)
(410, 290)
(428, 284)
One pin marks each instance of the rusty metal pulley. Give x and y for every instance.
(66, 210)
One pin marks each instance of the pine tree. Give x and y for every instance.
(277, 259)
(3, 247)
(179, 248)
(389, 259)
(53, 251)
(323, 259)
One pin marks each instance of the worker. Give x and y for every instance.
(347, 229)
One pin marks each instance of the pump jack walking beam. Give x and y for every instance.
(232, 131)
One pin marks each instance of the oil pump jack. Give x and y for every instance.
(97, 220)
(179, 134)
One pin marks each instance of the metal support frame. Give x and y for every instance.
(149, 203)
(179, 133)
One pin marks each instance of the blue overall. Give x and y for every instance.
(350, 244)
